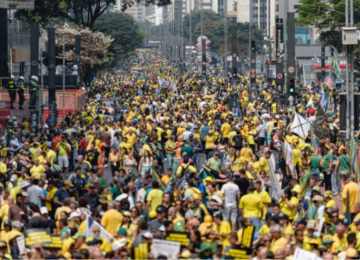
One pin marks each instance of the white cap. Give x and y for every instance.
(33, 77)
(14, 117)
(44, 210)
(21, 77)
(119, 244)
(277, 116)
(73, 215)
(36, 78)
(17, 224)
(12, 76)
(24, 184)
(337, 120)
(147, 234)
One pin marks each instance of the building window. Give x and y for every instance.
(277, 8)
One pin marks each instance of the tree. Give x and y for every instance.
(124, 30)
(94, 53)
(128, 3)
(327, 16)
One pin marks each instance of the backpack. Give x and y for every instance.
(237, 139)
(185, 171)
(125, 204)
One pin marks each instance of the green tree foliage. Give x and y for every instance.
(328, 16)
(128, 3)
(124, 30)
(83, 13)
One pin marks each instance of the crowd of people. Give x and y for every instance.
(178, 158)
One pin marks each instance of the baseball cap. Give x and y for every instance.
(283, 216)
(161, 209)
(68, 182)
(327, 239)
(24, 184)
(147, 234)
(73, 215)
(13, 178)
(44, 210)
(317, 198)
(7, 223)
(119, 244)
(79, 234)
(208, 220)
(122, 231)
(316, 188)
(91, 186)
(311, 224)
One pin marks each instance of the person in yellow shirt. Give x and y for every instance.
(155, 196)
(286, 226)
(131, 137)
(224, 229)
(4, 210)
(351, 189)
(37, 169)
(277, 242)
(264, 164)
(225, 130)
(265, 198)
(251, 207)
(208, 229)
(288, 203)
(340, 242)
(79, 239)
(111, 218)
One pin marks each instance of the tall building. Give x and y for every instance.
(218, 5)
(262, 14)
(283, 6)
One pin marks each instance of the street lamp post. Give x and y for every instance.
(66, 26)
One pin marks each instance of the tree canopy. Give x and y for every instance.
(83, 13)
(328, 16)
(123, 29)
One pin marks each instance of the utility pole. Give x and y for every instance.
(349, 39)
(190, 25)
(234, 58)
(290, 51)
(279, 45)
(226, 42)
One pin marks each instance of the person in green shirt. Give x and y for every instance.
(342, 167)
(115, 191)
(327, 167)
(187, 149)
(315, 164)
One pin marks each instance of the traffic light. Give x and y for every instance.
(253, 45)
(292, 87)
(204, 69)
(234, 73)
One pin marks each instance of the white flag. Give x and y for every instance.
(162, 82)
(103, 233)
(289, 156)
(310, 103)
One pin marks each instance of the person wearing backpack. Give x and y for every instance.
(126, 201)
(237, 141)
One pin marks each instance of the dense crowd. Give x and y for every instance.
(147, 158)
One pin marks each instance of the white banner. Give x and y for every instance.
(169, 249)
(289, 156)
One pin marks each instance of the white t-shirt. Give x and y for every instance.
(230, 191)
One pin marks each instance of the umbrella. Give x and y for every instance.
(142, 62)
(142, 77)
(134, 72)
(156, 61)
(126, 83)
(135, 63)
(120, 70)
